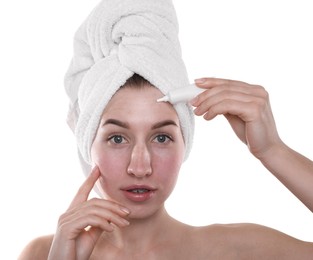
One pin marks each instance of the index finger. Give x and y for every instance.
(84, 190)
(213, 82)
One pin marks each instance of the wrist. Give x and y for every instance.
(276, 150)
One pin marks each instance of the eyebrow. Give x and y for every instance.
(126, 125)
(163, 123)
(116, 122)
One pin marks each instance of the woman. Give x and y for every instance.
(135, 146)
(137, 153)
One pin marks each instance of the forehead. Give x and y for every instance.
(139, 104)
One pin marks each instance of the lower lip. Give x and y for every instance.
(138, 197)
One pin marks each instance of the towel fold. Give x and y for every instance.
(120, 38)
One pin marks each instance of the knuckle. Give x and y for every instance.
(265, 95)
(261, 102)
(259, 87)
(263, 92)
(62, 218)
(63, 228)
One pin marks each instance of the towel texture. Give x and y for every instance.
(120, 38)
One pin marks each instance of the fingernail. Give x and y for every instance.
(126, 222)
(197, 111)
(200, 81)
(125, 210)
(193, 101)
(95, 169)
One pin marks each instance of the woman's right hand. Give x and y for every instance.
(80, 227)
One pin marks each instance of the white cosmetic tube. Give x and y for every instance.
(181, 94)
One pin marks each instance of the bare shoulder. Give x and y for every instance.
(37, 249)
(248, 241)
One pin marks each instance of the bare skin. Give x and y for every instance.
(151, 153)
(247, 108)
(170, 239)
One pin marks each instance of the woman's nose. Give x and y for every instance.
(140, 162)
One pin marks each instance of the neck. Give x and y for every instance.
(142, 234)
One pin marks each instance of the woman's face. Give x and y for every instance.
(139, 149)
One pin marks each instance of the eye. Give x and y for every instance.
(117, 139)
(163, 138)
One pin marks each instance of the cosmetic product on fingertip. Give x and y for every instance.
(181, 94)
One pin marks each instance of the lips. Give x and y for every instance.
(138, 190)
(139, 193)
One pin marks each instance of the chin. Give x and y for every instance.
(143, 213)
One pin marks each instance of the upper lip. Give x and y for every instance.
(138, 186)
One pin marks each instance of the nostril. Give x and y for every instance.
(140, 161)
(139, 172)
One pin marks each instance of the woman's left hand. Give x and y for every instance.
(246, 107)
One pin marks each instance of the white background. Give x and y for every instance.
(262, 42)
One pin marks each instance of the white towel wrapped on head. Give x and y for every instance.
(120, 38)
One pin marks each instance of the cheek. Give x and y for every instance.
(166, 165)
(112, 165)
